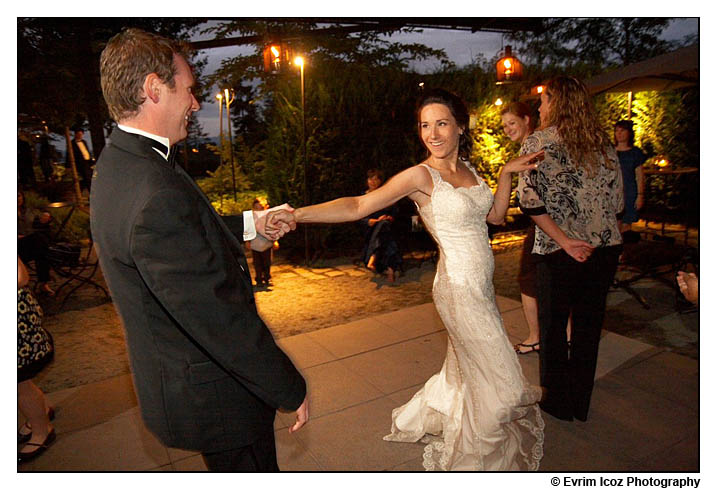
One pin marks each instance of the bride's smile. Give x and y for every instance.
(439, 131)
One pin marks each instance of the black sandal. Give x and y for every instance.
(41, 447)
(25, 437)
(532, 348)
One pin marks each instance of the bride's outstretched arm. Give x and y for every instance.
(410, 182)
(502, 194)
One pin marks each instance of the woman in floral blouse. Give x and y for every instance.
(573, 197)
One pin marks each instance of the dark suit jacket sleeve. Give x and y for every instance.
(185, 262)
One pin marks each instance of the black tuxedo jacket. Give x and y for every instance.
(206, 369)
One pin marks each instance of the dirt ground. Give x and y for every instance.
(90, 343)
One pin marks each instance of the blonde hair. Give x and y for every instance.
(571, 111)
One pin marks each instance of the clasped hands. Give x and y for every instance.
(274, 223)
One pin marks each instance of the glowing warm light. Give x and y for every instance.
(508, 68)
(662, 163)
(299, 61)
(275, 51)
(194, 150)
(498, 102)
(219, 96)
(421, 84)
(539, 89)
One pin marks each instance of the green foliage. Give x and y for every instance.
(665, 123)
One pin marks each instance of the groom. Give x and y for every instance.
(206, 370)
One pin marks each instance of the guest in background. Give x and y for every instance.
(631, 159)
(262, 259)
(573, 197)
(35, 349)
(518, 121)
(381, 252)
(46, 157)
(25, 171)
(83, 160)
(33, 241)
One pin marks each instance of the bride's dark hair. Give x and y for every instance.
(458, 111)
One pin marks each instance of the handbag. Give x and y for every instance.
(34, 343)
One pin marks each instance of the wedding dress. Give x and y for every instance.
(479, 412)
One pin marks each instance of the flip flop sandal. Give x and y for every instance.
(532, 348)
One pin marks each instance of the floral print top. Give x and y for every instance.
(584, 206)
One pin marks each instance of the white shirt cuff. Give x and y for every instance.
(250, 232)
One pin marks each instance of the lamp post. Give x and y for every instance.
(229, 130)
(300, 62)
(221, 142)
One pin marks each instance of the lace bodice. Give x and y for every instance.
(456, 219)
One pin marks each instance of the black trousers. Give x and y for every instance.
(260, 456)
(262, 264)
(567, 287)
(33, 247)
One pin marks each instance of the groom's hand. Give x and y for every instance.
(302, 416)
(275, 222)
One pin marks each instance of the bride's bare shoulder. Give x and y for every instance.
(419, 178)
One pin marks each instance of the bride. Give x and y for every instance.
(478, 412)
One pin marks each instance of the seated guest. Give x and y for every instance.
(33, 240)
(381, 253)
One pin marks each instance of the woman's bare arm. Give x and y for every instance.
(414, 182)
(502, 195)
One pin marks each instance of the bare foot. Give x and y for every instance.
(527, 346)
(45, 288)
(390, 275)
(688, 284)
(370, 264)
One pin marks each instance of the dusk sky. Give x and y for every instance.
(460, 46)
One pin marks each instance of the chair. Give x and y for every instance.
(658, 260)
(75, 262)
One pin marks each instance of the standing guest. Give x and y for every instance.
(207, 372)
(381, 253)
(573, 197)
(479, 412)
(46, 157)
(261, 257)
(83, 160)
(35, 350)
(25, 170)
(631, 159)
(518, 123)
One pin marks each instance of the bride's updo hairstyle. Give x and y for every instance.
(458, 110)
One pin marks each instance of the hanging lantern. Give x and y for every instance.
(537, 90)
(508, 68)
(276, 57)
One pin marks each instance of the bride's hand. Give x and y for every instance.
(523, 163)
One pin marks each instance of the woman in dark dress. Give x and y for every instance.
(381, 252)
(631, 159)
